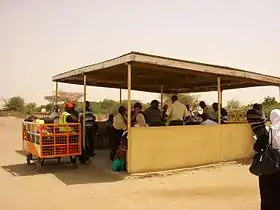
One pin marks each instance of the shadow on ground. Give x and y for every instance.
(246, 162)
(98, 171)
(205, 191)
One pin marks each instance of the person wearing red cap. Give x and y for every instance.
(66, 118)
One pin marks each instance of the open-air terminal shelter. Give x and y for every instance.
(164, 148)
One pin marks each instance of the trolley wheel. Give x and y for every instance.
(59, 160)
(29, 158)
(74, 162)
(39, 163)
(42, 161)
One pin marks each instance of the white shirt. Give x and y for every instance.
(119, 122)
(177, 111)
(208, 122)
(274, 131)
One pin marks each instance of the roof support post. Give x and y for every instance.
(161, 98)
(120, 96)
(56, 93)
(219, 99)
(84, 110)
(129, 117)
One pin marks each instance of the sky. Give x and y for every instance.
(40, 38)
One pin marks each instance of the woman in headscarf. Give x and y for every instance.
(270, 184)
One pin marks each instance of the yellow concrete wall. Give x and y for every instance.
(164, 148)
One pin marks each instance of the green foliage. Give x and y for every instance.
(16, 104)
(63, 97)
(106, 107)
(187, 99)
(234, 104)
(30, 107)
(269, 104)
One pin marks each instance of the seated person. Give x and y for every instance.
(191, 119)
(153, 115)
(206, 120)
(206, 109)
(214, 113)
(163, 113)
(137, 116)
(224, 116)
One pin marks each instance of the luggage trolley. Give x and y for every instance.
(45, 141)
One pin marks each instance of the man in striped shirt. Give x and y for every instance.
(90, 130)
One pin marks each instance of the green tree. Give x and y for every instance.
(269, 101)
(16, 104)
(49, 107)
(30, 107)
(188, 99)
(234, 104)
(268, 104)
(39, 108)
(64, 97)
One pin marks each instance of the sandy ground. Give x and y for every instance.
(90, 187)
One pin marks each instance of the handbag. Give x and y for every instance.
(267, 161)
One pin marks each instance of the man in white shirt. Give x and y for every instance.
(176, 112)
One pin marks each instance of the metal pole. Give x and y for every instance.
(56, 93)
(84, 110)
(219, 99)
(129, 116)
(120, 96)
(161, 98)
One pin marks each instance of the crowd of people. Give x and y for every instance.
(173, 114)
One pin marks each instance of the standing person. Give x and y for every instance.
(153, 115)
(176, 112)
(75, 114)
(55, 114)
(109, 122)
(90, 132)
(269, 185)
(66, 118)
(109, 128)
(119, 126)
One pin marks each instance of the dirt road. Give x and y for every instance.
(227, 187)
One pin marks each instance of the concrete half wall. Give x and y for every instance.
(165, 148)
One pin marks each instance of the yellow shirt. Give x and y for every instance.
(119, 122)
(208, 110)
(177, 111)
